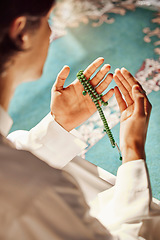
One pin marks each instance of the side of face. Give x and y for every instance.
(29, 63)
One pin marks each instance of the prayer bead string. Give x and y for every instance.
(97, 98)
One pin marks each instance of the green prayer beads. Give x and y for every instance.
(97, 99)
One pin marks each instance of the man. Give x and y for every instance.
(38, 201)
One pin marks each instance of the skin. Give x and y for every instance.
(135, 114)
(26, 65)
(78, 108)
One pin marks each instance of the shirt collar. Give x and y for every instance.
(5, 122)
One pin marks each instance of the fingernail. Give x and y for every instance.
(65, 66)
(137, 88)
(123, 68)
(108, 65)
(100, 58)
(117, 69)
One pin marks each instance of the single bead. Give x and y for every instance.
(92, 89)
(100, 110)
(105, 103)
(84, 93)
(103, 120)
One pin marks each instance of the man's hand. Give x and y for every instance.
(68, 105)
(135, 114)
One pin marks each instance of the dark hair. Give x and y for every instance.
(34, 10)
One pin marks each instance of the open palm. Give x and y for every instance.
(135, 111)
(68, 105)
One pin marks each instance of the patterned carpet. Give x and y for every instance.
(125, 35)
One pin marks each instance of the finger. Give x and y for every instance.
(108, 95)
(93, 67)
(121, 103)
(139, 101)
(103, 85)
(61, 78)
(125, 83)
(148, 108)
(124, 91)
(100, 75)
(129, 78)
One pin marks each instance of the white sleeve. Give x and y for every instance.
(130, 201)
(49, 141)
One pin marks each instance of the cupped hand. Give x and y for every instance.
(135, 111)
(68, 105)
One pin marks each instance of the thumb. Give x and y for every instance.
(58, 85)
(138, 97)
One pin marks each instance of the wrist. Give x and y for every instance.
(133, 153)
(60, 120)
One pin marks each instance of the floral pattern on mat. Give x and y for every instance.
(149, 75)
(70, 13)
(152, 33)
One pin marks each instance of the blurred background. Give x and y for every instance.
(126, 33)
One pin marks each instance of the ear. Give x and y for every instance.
(17, 33)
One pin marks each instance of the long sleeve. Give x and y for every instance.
(49, 141)
(129, 201)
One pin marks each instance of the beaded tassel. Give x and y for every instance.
(96, 98)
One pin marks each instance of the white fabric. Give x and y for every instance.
(125, 210)
(38, 202)
(48, 141)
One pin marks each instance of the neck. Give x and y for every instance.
(7, 89)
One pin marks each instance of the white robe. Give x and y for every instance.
(125, 209)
